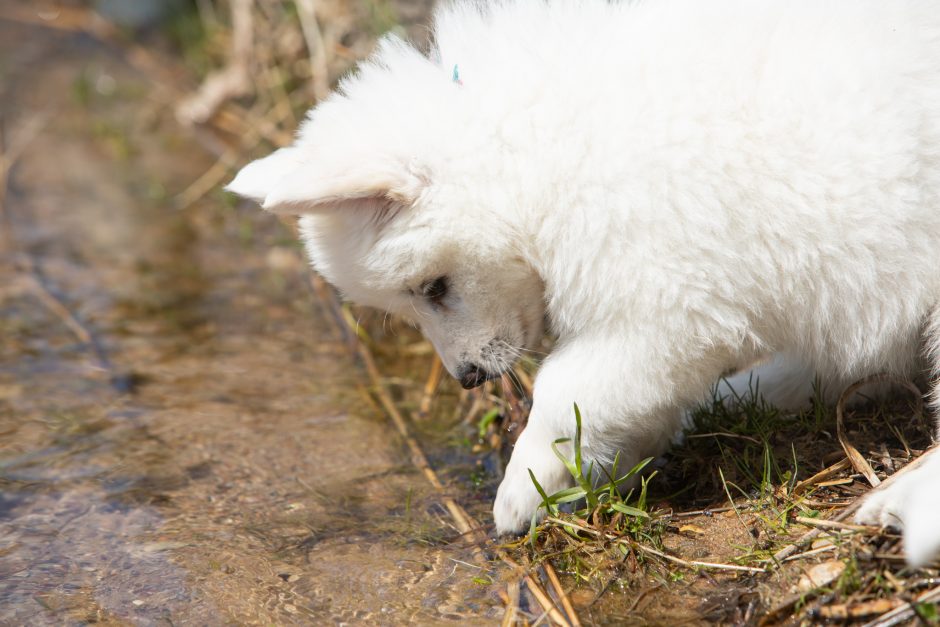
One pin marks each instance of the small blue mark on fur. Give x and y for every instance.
(456, 76)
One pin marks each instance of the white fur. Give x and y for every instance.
(682, 186)
(910, 504)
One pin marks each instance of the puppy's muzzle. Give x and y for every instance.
(471, 376)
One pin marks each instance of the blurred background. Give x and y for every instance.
(192, 428)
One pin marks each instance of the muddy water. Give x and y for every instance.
(208, 457)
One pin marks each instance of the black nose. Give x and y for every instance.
(471, 375)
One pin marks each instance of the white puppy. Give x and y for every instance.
(679, 187)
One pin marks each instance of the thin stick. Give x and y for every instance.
(232, 80)
(316, 48)
(906, 611)
(701, 512)
(822, 475)
(560, 591)
(537, 591)
(639, 598)
(327, 301)
(512, 604)
(227, 160)
(694, 564)
(434, 378)
(256, 127)
(475, 407)
(833, 524)
(805, 554)
(211, 178)
(652, 551)
(56, 306)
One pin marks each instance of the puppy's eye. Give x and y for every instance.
(435, 290)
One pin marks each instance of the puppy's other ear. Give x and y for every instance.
(257, 179)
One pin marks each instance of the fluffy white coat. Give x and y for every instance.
(680, 187)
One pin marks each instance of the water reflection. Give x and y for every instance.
(82, 557)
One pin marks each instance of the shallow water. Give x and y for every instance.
(210, 456)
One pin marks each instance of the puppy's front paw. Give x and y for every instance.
(911, 505)
(517, 499)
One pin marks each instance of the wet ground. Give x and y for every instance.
(183, 437)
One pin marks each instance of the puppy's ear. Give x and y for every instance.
(284, 183)
(257, 179)
(313, 188)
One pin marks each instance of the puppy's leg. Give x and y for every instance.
(784, 381)
(913, 505)
(619, 396)
(517, 499)
(913, 502)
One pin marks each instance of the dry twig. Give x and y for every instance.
(820, 476)
(512, 604)
(651, 551)
(833, 524)
(430, 386)
(562, 595)
(316, 48)
(537, 591)
(231, 81)
(905, 612)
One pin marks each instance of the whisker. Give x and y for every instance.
(418, 314)
(517, 383)
(531, 351)
(520, 352)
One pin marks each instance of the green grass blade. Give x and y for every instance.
(533, 529)
(577, 438)
(486, 420)
(546, 502)
(568, 496)
(572, 468)
(629, 511)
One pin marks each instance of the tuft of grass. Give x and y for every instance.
(594, 500)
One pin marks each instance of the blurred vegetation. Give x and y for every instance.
(281, 56)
